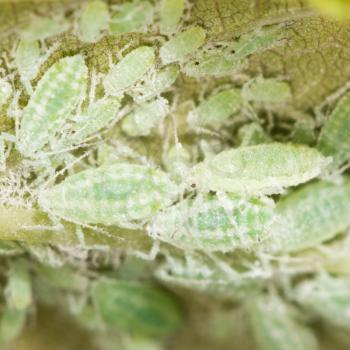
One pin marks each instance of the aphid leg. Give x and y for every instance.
(3, 152)
(81, 236)
(224, 266)
(152, 253)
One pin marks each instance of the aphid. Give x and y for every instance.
(129, 70)
(259, 169)
(136, 307)
(97, 115)
(177, 161)
(311, 215)
(131, 17)
(275, 326)
(55, 97)
(212, 223)
(304, 130)
(216, 109)
(204, 276)
(41, 28)
(27, 60)
(216, 64)
(5, 91)
(116, 194)
(252, 134)
(170, 14)
(328, 297)
(157, 83)
(93, 20)
(255, 42)
(182, 45)
(145, 117)
(334, 137)
(18, 290)
(266, 91)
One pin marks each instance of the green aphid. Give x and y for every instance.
(156, 84)
(311, 215)
(214, 111)
(135, 307)
(18, 290)
(334, 137)
(255, 42)
(211, 223)
(252, 134)
(328, 297)
(170, 14)
(259, 169)
(116, 194)
(182, 45)
(204, 276)
(145, 117)
(268, 91)
(55, 97)
(275, 325)
(131, 17)
(5, 91)
(12, 322)
(217, 64)
(93, 21)
(129, 70)
(27, 60)
(41, 28)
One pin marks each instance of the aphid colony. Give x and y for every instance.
(231, 189)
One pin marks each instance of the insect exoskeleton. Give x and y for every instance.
(275, 326)
(259, 169)
(129, 70)
(214, 223)
(182, 45)
(134, 16)
(170, 14)
(145, 117)
(334, 137)
(309, 216)
(117, 194)
(328, 297)
(137, 307)
(93, 20)
(158, 82)
(5, 91)
(214, 111)
(202, 275)
(55, 97)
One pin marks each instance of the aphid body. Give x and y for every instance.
(211, 223)
(116, 194)
(182, 45)
(129, 70)
(309, 216)
(131, 17)
(94, 19)
(328, 297)
(334, 137)
(252, 134)
(275, 327)
(55, 97)
(145, 117)
(259, 169)
(216, 109)
(171, 12)
(136, 307)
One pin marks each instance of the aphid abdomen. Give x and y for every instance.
(259, 169)
(310, 216)
(129, 70)
(110, 195)
(334, 137)
(182, 45)
(275, 328)
(56, 95)
(170, 15)
(212, 224)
